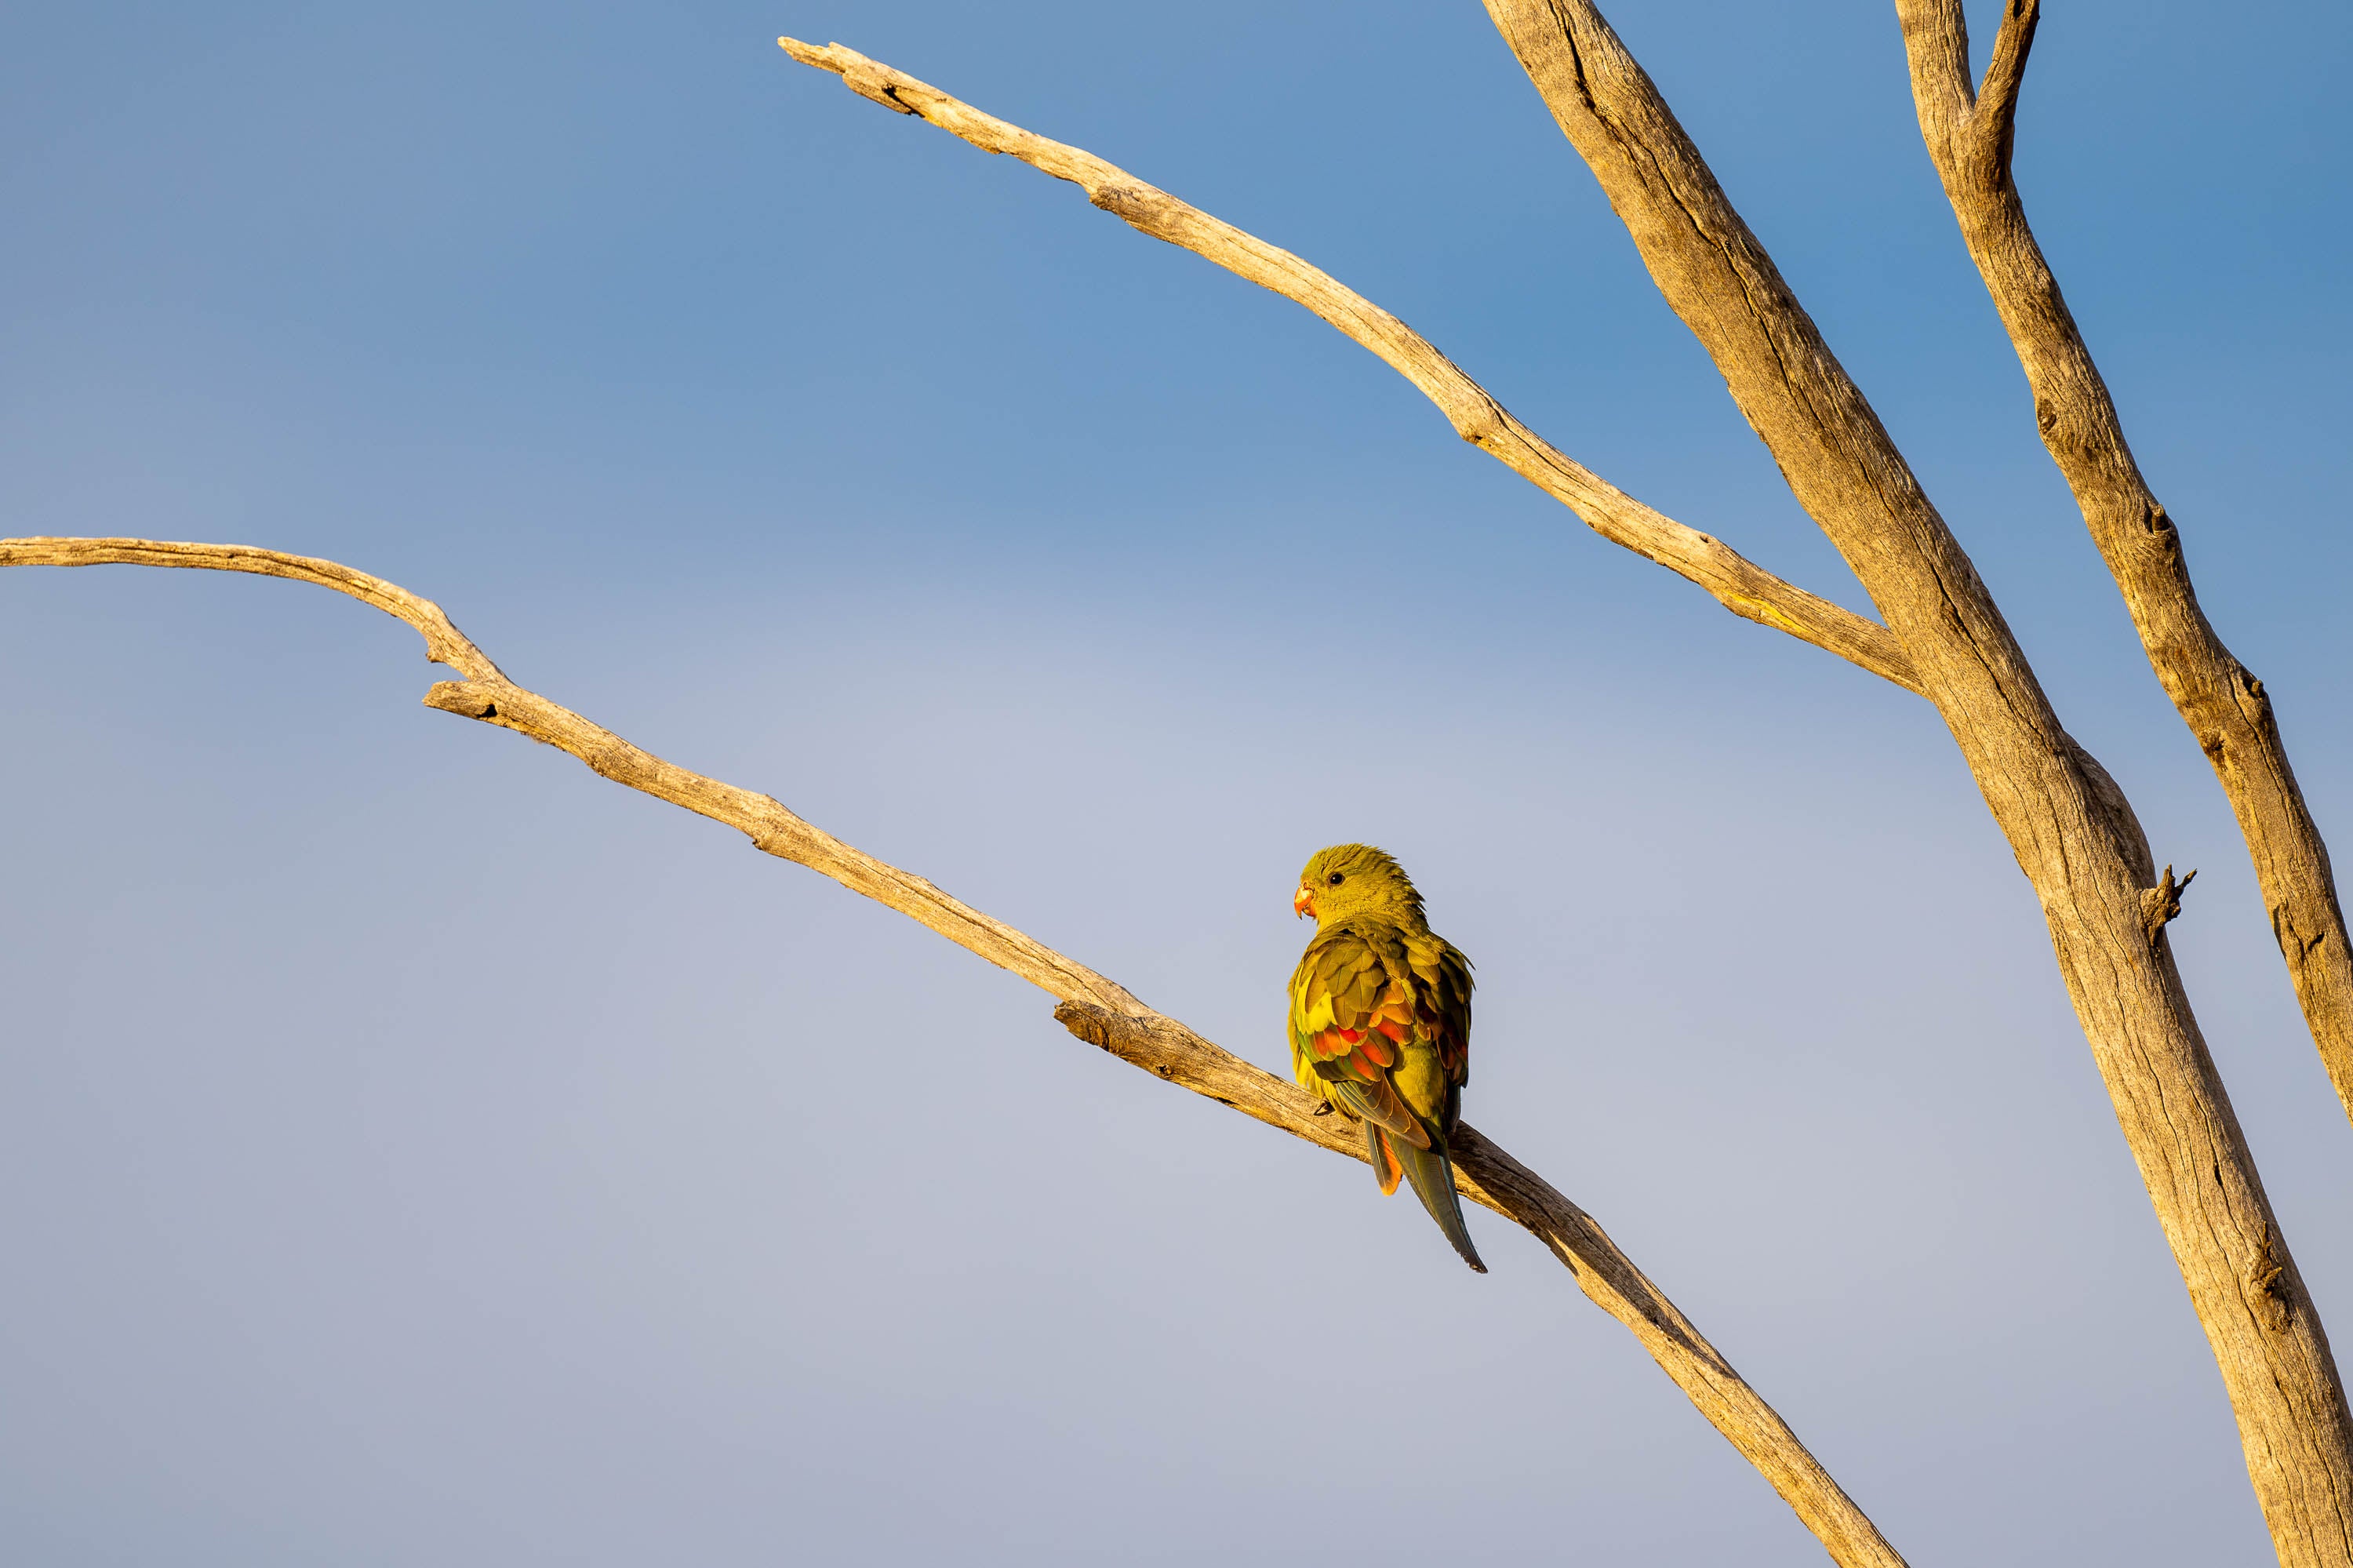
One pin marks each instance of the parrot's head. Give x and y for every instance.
(1348, 879)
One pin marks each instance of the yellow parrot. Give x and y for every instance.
(1381, 1022)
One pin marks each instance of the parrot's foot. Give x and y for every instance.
(1323, 1108)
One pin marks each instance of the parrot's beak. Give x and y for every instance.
(1302, 902)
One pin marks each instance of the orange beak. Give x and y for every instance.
(1302, 902)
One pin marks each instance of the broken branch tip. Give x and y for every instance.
(809, 54)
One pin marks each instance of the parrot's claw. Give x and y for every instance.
(1323, 1108)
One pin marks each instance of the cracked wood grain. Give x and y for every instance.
(1092, 1008)
(1970, 136)
(2063, 821)
(1738, 583)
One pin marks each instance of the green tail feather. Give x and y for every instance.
(1433, 1175)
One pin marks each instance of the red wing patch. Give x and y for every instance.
(1362, 1052)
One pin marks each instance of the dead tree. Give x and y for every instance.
(1940, 636)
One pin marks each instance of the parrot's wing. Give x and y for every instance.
(1444, 977)
(1352, 1012)
(1350, 1008)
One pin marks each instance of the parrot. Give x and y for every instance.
(1380, 1023)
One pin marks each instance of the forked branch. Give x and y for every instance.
(1738, 583)
(2218, 698)
(2088, 873)
(1995, 120)
(1095, 1009)
(2060, 813)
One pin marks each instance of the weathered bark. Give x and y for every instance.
(1739, 584)
(1845, 471)
(1969, 138)
(1095, 1009)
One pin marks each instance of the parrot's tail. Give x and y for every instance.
(1433, 1175)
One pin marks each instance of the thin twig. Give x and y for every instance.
(1741, 586)
(1092, 1008)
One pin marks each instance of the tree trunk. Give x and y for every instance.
(1969, 138)
(2100, 899)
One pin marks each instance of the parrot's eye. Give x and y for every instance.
(1335, 879)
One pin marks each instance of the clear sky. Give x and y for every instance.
(415, 1150)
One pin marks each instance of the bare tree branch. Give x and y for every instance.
(1739, 584)
(1095, 1009)
(2218, 698)
(1997, 105)
(2294, 1428)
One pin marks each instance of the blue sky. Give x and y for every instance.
(413, 1149)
